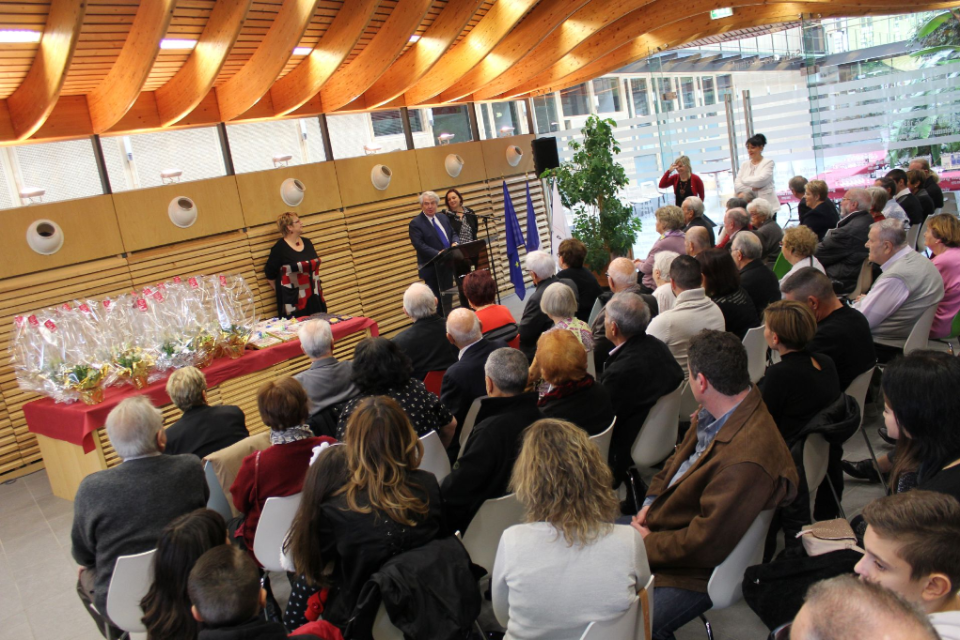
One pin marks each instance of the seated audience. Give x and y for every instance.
(844, 607)
(328, 382)
(534, 321)
(878, 200)
(387, 506)
(737, 203)
(201, 429)
(802, 383)
(842, 250)
(756, 278)
(915, 182)
(942, 238)
(622, 276)
(693, 216)
(892, 209)
(483, 470)
(574, 395)
(799, 244)
(721, 282)
(167, 606)
(381, 369)
(731, 465)
(278, 470)
(463, 382)
(664, 294)
(765, 227)
(798, 187)
(910, 203)
(481, 292)
(559, 304)
(568, 565)
(669, 226)
(122, 511)
(571, 255)
(908, 286)
(734, 221)
(930, 180)
(911, 548)
(821, 214)
(692, 313)
(639, 371)
(696, 241)
(425, 341)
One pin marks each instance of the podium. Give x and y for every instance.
(452, 265)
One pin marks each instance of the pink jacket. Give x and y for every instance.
(948, 264)
(671, 241)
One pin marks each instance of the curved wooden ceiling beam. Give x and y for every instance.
(418, 59)
(492, 28)
(349, 83)
(30, 105)
(114, 96)
(580, 26)
(295, 89)
(195, 79)
(254, 80)
(537, 25)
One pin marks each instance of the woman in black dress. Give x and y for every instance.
(293, 270)
(721, 282)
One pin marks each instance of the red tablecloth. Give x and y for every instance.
(76, 422)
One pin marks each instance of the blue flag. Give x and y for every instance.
(533, 234)
(514, 240)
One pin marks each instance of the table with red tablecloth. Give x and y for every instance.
(60, 426)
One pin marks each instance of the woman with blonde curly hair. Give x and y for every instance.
(799, 245)
(569, 564)
(670, 223)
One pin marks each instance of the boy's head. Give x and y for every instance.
(911, 547)
(224, 587)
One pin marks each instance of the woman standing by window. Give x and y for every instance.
(756, 175)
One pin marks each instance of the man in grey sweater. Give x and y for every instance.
(121, 511)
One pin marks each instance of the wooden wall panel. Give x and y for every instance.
(260, 191)
(144, 222)
(433, 173)
(354, 178)
(495, 156)
(89, 227)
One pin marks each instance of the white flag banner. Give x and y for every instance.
(558, 222)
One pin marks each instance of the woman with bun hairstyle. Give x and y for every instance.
(756, 175)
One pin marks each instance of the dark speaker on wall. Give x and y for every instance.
(545, 154)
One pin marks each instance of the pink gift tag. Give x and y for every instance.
(223, 280)
(176, 279)
(147, 291)
(66, 306)
(85, 308)
(161, 286)
(193, 283)
(33, 320)
(106, 304)
(20, 320)
(158, 296)
(50, 325)
(141, 304)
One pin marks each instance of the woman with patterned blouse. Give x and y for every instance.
(462, 219)
(293, 270)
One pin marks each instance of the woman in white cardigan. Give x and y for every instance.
(756, 175)
(569, 564)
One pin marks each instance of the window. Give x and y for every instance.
(545, 112)
(136, 161)
(258, 146)
(389, 123)
(724, 86)
(641, 96)
(573, 100)
(606, 94)
(66, 170)
(689, 93)
(665, 96)
(506, 119)
(446, 121)
(709, 91)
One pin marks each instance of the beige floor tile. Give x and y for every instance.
(16, 628)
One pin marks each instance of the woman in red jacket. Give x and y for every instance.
(684, 182)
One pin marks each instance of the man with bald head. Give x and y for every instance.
(621, 276)
(842, 250)
(696, 240)
(734, 221)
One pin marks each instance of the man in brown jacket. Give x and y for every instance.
(731, 465)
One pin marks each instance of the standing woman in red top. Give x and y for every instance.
(681, 177)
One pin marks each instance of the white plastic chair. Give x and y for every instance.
(635, 624)
(658, 435)
(726, 582)
(591, 365)
(469, 422)
(602, 440)
(816, 455)
(383, 629)
(275, 521)
(912, 234)
(132, 577)
(482, 536)
(858, 391)
(217, 501)
(756, 346)
(864, 280)
(688, 404)
(921, 332)
(594, 311)
(435, 459)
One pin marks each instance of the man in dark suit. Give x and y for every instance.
(638, 372)
(693, 216)
(484, 468)
(621, 276)
(916, 182)
(843, 249)
(572, 253)
(425, 341)
(929, 182)
(464, 380)
(202, 429)
(534, 321)
(911, 205)
(756, 278)
(430, 234)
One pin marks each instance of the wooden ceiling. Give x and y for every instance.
(99, 67)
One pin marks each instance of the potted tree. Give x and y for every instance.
(588, 185)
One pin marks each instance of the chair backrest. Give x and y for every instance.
(594, 311)
(469, 422)
(756, 346)
(636, 623)
(591, 365)
(482, 536)
(515, 343)
(781, 266)
(226, 462)
(921, 332)
(921, 245)
(132, 577)
(658, 435)
(726, 582)
(912, 234)
(435, 458)
(602, 439)
(506, 333)
(816, 453)
(433, 381)
(864, 281)
(858, 389)
(275, 521)
(688, 404)
(218, 501)
(383, 629)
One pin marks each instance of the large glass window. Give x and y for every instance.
(724, 86)
(390, 123)
(445, 125)
(641, 96)
(258, 146)
(688, 91)
(352, 135)
(574, 102)
(137, 161)
(545, 112)
(606, 93)
(666, 98)
(65, 170)
(709, 90)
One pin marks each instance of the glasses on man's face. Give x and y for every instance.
(781, 633)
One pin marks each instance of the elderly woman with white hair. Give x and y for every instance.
(560, 305)
(430, 234)
(542, 269)
(765, 227)
(664, 294)
(201, 429)
(670, 226)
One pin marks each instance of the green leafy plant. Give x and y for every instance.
(588, 185)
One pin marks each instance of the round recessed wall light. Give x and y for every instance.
(380, 176)
(453, 164)
(45, 237)
(182, 211)
(292, 191)
(514, 155)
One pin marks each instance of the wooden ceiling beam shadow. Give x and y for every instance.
(255, 78)
(416, 61)
(116, 93)
(37, 95)
(193, 81)
(298, 87)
